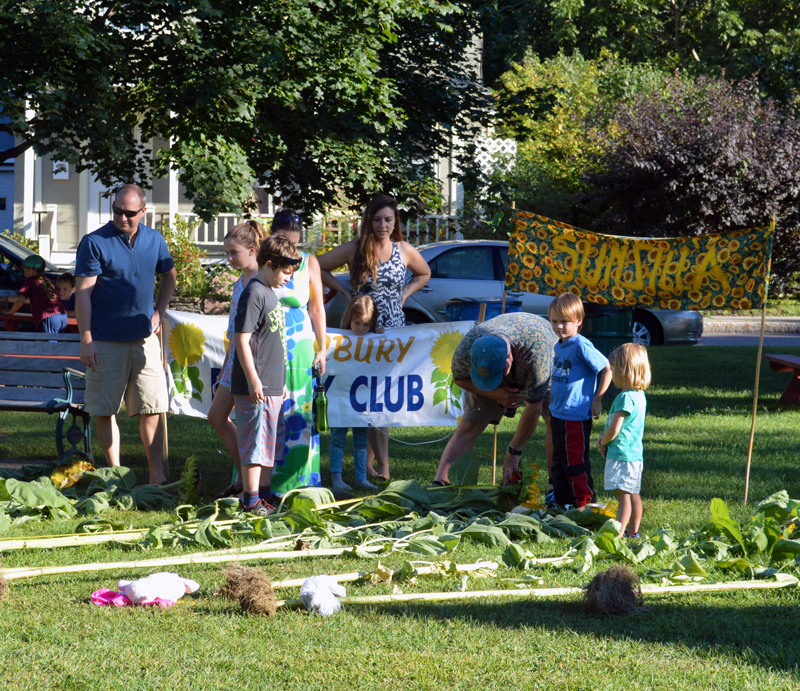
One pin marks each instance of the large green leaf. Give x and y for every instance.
(39, 494)
(778, 506)
(465, 470)
(722, 522)
(523, 526)
(102, 479)
(487, 534)
(377, 509)
(785, 549)
(310, 498)
(427, 545)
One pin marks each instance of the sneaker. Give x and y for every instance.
(260, 508)
(626, 534)
(549, 500)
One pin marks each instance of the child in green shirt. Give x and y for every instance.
(621, 442)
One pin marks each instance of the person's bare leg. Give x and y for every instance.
(107, 431)
(623, 510)
(219, 415)
(378, 450)
(460, 443)
(152, 432)
(636, 513)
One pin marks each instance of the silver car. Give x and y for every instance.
(477, 268)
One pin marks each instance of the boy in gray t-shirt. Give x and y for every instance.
(258, 379)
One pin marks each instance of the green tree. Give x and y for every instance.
(558, 110)
(739, 37)
(701, 156)
(302, 96)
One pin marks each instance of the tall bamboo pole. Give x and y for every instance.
(162, 418)
(755, 401)
(758, 374)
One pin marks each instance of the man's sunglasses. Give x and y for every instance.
(126, 212)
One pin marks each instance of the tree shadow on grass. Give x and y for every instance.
(762, 635)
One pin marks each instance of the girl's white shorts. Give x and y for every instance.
(624, 475)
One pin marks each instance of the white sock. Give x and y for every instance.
(337, 482)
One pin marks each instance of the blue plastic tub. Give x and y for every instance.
(468, 309)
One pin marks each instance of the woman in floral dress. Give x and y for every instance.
(378, 260)
(303, 308)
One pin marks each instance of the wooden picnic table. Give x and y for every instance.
(11, 322)
(787, 363)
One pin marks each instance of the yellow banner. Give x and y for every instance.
(720, 271)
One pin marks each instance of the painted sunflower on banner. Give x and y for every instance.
(445, 389)
(186, 343)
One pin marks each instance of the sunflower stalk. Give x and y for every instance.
(781, 581)
(207, 558)
(386, 574)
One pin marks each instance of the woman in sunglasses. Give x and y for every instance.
(303, 308)
(378, 260)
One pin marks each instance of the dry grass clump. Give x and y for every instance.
(3, 587)
(251, 588)
(614, 591)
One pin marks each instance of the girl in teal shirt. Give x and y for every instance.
(621, 442)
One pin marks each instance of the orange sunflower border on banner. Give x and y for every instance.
(719, 271)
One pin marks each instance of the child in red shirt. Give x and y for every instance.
(48, 311)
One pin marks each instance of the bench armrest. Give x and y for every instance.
(77, 373)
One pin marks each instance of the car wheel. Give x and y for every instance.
(414, 317)
(646, 329)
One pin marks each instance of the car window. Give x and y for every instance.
(464, 263)
(504, 257)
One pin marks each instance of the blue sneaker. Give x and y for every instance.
(549, 500)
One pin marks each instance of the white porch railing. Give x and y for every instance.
(327, 230)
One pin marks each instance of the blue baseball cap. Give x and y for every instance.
(488, 356)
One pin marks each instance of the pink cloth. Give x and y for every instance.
(104, 596)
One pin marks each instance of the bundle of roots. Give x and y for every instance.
(614, 591)
(251, 588)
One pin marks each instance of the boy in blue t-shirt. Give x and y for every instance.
(581, 376)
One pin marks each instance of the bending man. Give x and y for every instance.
(500, 363)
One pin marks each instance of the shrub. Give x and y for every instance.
(193, 280)
(22, 240)
(701, 156)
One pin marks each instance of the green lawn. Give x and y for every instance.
(695, 449)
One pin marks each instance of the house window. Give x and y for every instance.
(2, 203)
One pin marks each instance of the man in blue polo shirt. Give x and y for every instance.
(115, 272)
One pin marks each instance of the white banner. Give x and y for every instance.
(401, 378)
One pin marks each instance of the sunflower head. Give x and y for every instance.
(186, 343)
(443, 349)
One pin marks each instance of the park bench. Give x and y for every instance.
(787, 363)
(42, 373)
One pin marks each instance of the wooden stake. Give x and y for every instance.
(494, 458)
(758, 375)
(755, 402)
(162, 418)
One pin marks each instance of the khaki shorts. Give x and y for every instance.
(129, 370)
(484, 410)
